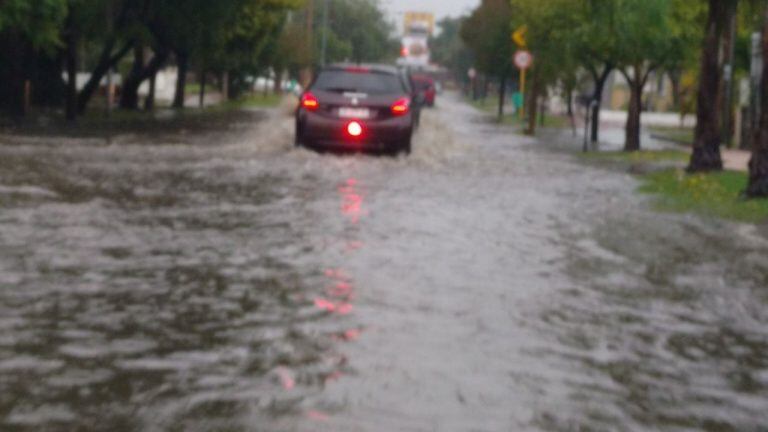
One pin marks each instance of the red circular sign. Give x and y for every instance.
(523, 59)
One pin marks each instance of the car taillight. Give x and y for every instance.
(309, 102)
(354, 129)
(401, 106)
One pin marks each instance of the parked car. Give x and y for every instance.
(426, 85)
(357, 107)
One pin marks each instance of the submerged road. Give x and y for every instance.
(213, 278)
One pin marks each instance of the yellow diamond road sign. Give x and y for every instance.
(519, 37)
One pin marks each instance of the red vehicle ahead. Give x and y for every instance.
(426, 85)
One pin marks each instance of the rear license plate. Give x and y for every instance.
(357, 113)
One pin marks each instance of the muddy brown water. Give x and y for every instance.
(213, 278)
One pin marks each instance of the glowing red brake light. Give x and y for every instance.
(309, 102)
(401, 106)
(354, 129)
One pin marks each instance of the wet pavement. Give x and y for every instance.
(213, 278)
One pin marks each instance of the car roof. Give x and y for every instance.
(374, 67)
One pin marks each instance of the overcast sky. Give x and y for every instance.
(440, 8)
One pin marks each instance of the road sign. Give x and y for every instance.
(518, 37)
(472, 73)
(523, 59)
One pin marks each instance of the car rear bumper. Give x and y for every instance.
(331, 132)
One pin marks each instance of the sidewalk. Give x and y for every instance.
(612, 139)
(211, 98)
(736, 160)
(663, 119)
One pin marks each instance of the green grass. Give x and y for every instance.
(647, 156)
(713, 194)
(716, 194)
(247, 101)
(674, 134)
(192, 88)
(490, 105)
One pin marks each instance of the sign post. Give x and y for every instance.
(523, 61)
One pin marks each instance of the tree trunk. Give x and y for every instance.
(71, 61)
(224, 87)
(106, 62)
(706, 145)
(202, 88)
(758, 165)
(675, 76)
(12, 92)
(502, 96)
(182, 58)
(600, 81)
(569, 106)
(632, 142)
(149, 103)
(533, 106)
(278, 89)
(129, 96)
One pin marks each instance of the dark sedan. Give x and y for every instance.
(356, 107)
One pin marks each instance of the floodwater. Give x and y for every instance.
(213, 278)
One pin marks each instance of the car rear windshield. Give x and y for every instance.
(369, 82)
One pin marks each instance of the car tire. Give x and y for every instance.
(298, 139)
(405, 147)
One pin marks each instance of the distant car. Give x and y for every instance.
(426, 85)
(357, 107)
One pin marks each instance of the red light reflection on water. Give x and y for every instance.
(286, 378)
(351, 200)
(317, 415)
(339, 294)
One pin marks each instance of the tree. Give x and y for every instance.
(758, 165)
(686, 25)
(449, 50)
(116, 43)
(487, 33)
(643, 28)
(358, 31)
(27, 31)
(40, 38)
(707, 135)
(597, 50)
(551, 32)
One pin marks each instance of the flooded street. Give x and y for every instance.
(214, 278)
